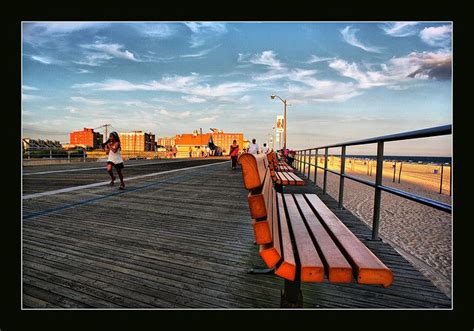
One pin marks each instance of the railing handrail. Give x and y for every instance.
(378, 185)
(422, 133)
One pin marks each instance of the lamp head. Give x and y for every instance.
(272, 96)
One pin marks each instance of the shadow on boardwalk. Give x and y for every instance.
(178, 240)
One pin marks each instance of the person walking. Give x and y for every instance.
(253, 148)
(264, 148)
(113, 148)
(234, 152)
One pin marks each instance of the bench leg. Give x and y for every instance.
(279, 188)
(291, 296)
(259, 271)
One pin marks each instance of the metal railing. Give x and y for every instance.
(304, 154)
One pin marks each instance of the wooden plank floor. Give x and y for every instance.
(178, 240)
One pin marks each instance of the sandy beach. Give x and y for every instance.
(420, 233)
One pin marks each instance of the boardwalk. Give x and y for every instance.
(179, 239)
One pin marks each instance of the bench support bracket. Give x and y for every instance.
(291, 296)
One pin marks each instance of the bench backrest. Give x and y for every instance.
(258, 181)
(272, 160)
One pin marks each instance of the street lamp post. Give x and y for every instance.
(284, 118)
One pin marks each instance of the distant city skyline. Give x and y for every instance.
(343, 81)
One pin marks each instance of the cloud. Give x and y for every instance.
(156, 30)
(61, 27)
(72, 110)
(199, 54)
(44, 59)
(432, 65)
(29, 88)
(243, 57)
(439, 36)
(31, 97)
(113, 50)
(94, 59)
(316, 59)
(83, 71)
(400, 29)
(173, 115)
(88, 101)
(55, 34)
(193, 99)
(191, 85)
(202, 32)
(365, 79)
(267, 58)
(208, 119)
(349, 35)
(323, 91)
(425, 65)
(139, 104)
(398, 87)
(399, 73)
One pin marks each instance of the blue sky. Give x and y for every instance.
(343, 81)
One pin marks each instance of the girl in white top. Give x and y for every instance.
(112, 146)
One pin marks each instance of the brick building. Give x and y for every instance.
(195, 143)
(166, 142)
(137, 141)
(86, 138)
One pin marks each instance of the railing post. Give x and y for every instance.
(441, 180)
(378, 191)
(309, 164)
(297, 160)
(301, 161)
(69, 156)
(394, 171)
(325, 178)
(50, 154)
(84, 155)
(450, 178)
(400, 172)
(315, 165)
(341, 178)
(304, 163)
(28, 154)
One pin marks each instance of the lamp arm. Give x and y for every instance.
(284, 101)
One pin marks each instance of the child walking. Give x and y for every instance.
(112, 146)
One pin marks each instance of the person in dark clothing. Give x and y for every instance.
(234, 152)
(291, 157)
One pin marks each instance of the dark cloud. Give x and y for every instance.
(433, 66)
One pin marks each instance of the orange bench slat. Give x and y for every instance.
(338, 269)
(311, 266)
(271, 253)
(368, 268)
(287, 268)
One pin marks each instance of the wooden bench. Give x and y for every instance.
(301, 239)
(281, 166)
(281, 177)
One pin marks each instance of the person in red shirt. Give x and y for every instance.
(234, 152)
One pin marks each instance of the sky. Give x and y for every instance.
(343, 80)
